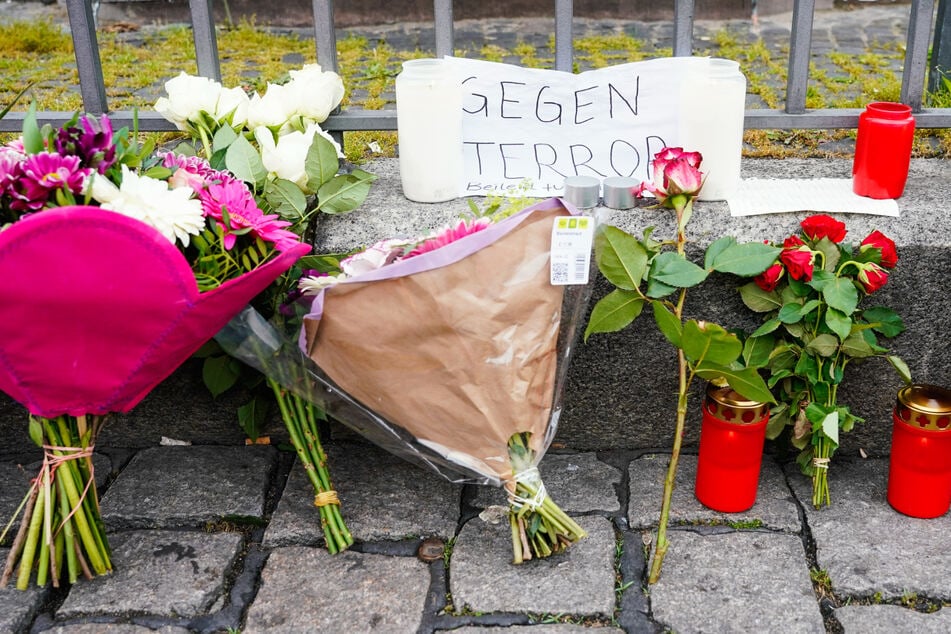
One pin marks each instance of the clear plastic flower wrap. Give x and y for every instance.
(454, 359)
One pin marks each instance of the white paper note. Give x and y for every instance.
(829, 195)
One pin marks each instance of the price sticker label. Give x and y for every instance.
(571, 239)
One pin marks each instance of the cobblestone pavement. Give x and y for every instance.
(214, 539)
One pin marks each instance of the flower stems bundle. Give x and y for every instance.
(61, 534)
(301, 419)
(539, 527)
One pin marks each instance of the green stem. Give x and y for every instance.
(29, 548)
(72, 566)
(300, 420)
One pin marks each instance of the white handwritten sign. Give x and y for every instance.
(527, 127)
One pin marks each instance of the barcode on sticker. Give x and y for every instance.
(571, 238)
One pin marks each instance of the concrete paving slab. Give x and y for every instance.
(308, 590)
(158, 572)
(888, 619)
(165, 487)
(381, 497)
(775, 506)
(579, 581)
(867, 547)
(578, 483)
(742, 581)
(555, 628)
(113, 628)
(18, 607)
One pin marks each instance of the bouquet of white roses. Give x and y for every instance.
(273, 141)
(133, 259)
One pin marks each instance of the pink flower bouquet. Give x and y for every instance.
(101, 303)
(451, 352)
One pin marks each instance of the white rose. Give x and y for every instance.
(286, 157)
(315, 93)
(272, 110)
(100, 188)
(232, 107)
(188, 97)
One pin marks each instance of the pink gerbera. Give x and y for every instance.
(448, 235)
(244, 216)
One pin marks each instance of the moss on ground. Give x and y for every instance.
(136, 65)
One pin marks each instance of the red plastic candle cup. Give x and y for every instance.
(732, 434)
(883, 150)
(919, 472)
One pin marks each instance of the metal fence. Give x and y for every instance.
(795, 115)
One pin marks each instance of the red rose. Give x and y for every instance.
(769, 279)
(792, 242)
(823, 226)
(872, 277)
(798, 261)
(878, 240)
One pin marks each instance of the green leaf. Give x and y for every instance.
(675, 270)
(344, 193)
(884, 320)
(778, 419)
(790, 313)
(758, 300)
(715, 249)
(757, 350)
(807, 368)
(621, 258)
(224, 137)
(830, 427)
(614, 311)
(321, 163)
(901, 367)
(252, 416)
(710, 343)
(32, 138)
(856, 346)
(839, 323)
(746, 381)
(819, 279)
(767, 327)
(747, 259)
(668, 324)
(823, 345)
(831, 253)
(36, 431)
(285, 199)
(841, 294)
(245, 163)
(657, 289)
(220, 374)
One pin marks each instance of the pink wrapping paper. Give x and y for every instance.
(98, 308)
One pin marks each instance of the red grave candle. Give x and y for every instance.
(732, 433)
(883, 145)
(919, 472)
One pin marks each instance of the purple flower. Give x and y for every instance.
(92, 143)
(11, 167)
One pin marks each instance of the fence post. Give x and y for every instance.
(92, 86)
(206, 42)
(940, 67)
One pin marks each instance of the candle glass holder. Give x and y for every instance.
(919, 472)
(732, 434)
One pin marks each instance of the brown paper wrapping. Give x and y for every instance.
(461, 357)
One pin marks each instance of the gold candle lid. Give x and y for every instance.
(729, 405)
(925, 407)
